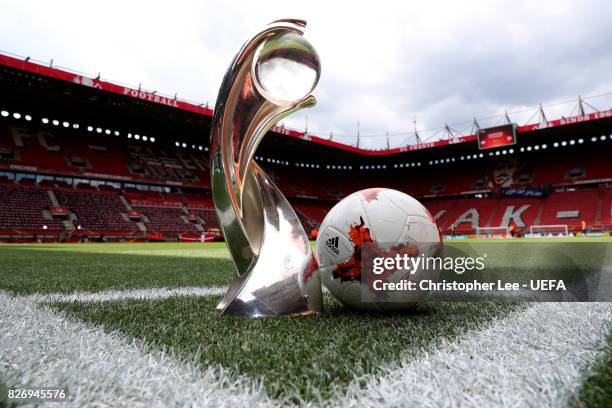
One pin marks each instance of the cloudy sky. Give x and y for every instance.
(384, 64)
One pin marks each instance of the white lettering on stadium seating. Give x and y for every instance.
(439, 214)
(471, 216)
(43, 139)
(19, 134)
(514, 215)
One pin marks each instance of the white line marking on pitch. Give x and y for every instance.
(142, 294)
(40, 347)
(533, 357)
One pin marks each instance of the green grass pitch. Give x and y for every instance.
(95, 267)
(305, 359)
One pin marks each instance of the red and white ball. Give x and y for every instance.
(387, 219)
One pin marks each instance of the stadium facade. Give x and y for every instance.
(85, 159)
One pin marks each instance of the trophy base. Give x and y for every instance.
(284, 298)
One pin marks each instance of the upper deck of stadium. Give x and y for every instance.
(24, 81)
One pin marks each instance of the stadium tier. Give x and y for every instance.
(458, 196)
(80, 159)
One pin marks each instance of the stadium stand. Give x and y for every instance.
(82, 206)
(112, 211)
(446, 192)
(26, 208)
(126, 165)
(166, 219)
(571, 208)
(208, 217)
(95, 210)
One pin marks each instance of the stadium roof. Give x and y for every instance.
(139, 94)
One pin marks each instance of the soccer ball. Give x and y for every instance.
(375, 221)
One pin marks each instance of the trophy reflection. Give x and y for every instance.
(271, 77)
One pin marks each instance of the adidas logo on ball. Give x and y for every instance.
(332, 245)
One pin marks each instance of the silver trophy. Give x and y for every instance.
(271, 77)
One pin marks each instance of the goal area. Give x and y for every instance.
(558, 230)
(492, 232)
